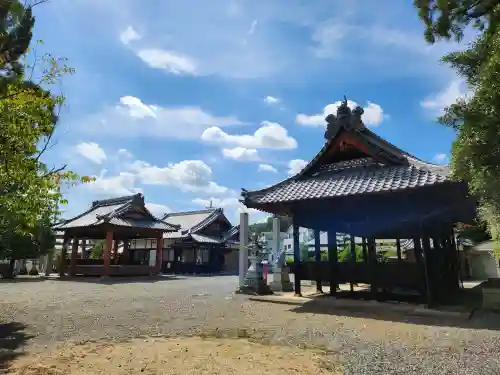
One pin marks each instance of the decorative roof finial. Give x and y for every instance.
(345, 118)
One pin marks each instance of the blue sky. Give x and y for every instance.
(189, 103)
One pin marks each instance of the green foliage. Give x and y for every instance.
(476, 150)
(448, 19)
(30, 191)
(267, 226)
(344, 253)
(97, 250)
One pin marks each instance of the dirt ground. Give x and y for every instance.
(183, 356)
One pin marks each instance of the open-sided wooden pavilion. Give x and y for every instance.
(117, 221)
(364, 186)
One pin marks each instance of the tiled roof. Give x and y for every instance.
(112, 211)
(186, 220)
(201, 238)
(351, 178)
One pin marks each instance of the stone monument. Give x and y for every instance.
(254, 279)
(281, 279)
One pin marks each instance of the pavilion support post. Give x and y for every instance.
(372, 264)
(353, 260)
(398, 248)
(74, 253)
(106, 268)
(332, 261)
(62, 258)
(159, 254)
(365, 250)
(417, 249)
(317, 254)
(296, 259)
(243, 256)
(115, 251)
(426, 249)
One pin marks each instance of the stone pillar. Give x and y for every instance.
(49, 260)
(159, 254)
(243, 259)
(281, 280)
(276, 237)
(126, 252)
(62, 258)
(107, 254)
(74, 252)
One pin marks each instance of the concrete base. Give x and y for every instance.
(279, 286)
(491, 298)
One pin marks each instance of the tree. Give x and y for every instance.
(476, 150)
(30, 191)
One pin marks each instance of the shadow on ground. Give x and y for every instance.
(22, 279)
(12, 338)
(471, 318)
(116, 279)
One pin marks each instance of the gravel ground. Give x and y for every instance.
(54, 311)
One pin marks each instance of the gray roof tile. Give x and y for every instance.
(113, 211)
(343, 179)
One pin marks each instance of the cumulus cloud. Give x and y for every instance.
(271, 100)
(131, 117)
(91, 151)
(241, 154)
(172, 62)
(270, 135)
(373, 115)
(440, 159)
(129, 35)
(267, 168)
(158, 209)
(436, 103)
(295, 166)
(113, 186)
(187, 175)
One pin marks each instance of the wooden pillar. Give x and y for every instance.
(74, 253)
(398, 248)
(296, 258)
(115, 251)
(365, 250)
(159, 253)
(107, 254)
(426, 263)
(62, 259)
(332, 261)
(372, 256)
(353, 261)
(317, 253)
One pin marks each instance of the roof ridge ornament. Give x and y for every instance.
(345, 118)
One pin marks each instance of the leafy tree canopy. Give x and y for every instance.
(476, 150)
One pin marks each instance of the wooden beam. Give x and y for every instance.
(159, 254)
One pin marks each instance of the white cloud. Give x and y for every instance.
(187, 175)
(241, 154)
(253, 27)
(126, 154)
(134, 118)
(172, 62)
(437, 103)
(91, 151)
(295, 166)
(270, 135)
(114, 186)
(232, 207)
(271, 100)
(373, 115)
(440, 159)
(158, 209)
(267, 168)
(129, 35)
